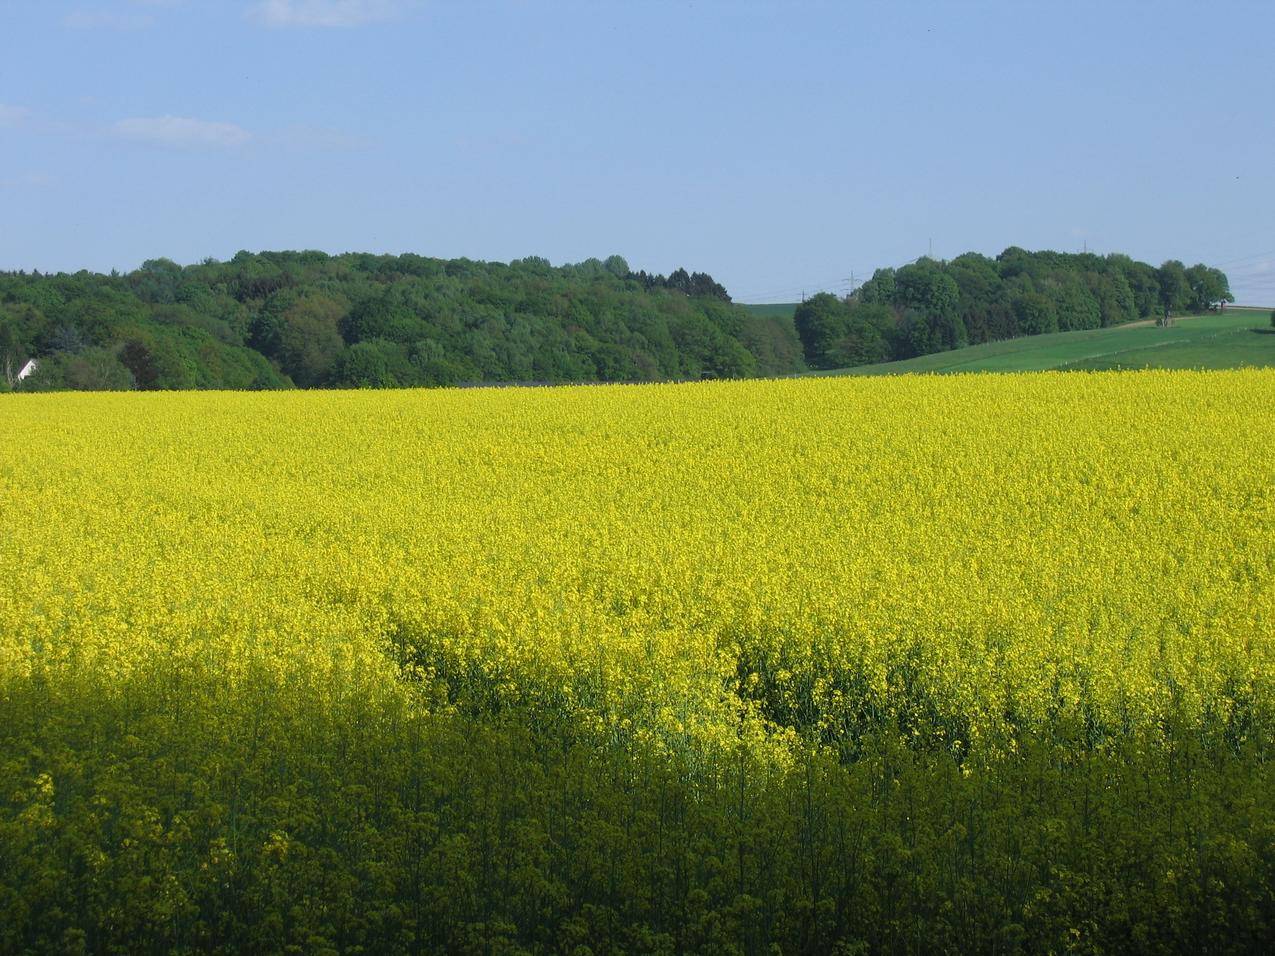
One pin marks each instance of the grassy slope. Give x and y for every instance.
(1239, 337)
(782, 310)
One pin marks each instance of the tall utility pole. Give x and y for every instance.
(930, 255)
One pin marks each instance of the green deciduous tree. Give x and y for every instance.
(1209, 287)
(1075, 306)
(878, 289)
(924, 286)
(820, 320)
(92, 369)
(310, 342)
(1035, 313)
(374, 363)
(1175, 289)
(158, 361)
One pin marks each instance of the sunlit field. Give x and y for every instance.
(1236, 338)
(959, 663)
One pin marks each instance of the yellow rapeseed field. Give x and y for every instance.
(1010, 546)
(967, 563)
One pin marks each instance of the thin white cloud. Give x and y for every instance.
(12, 115)
(182, 132)
(326, 13)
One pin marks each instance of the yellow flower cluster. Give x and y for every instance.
(962, 558)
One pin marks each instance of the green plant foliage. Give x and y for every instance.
(305, 318)
(974, 299)
(94, 369)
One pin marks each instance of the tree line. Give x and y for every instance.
(931, 306)
(307, 319)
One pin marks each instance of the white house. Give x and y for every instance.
(27, 369)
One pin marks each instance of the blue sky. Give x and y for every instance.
(782, 147)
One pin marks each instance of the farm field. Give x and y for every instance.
(1235, 339)
(897, 664)
(777, 310)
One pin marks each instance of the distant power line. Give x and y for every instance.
(1252, 273)
(1256, 255)
(842, 284)
(791, 290)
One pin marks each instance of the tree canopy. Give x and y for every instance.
(276, 319)
(308, 319)
(930, 306)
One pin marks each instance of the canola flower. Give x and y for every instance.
(993, 551)
(730, 577)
